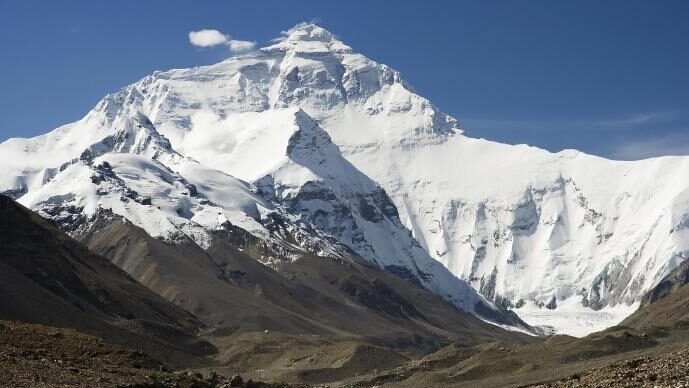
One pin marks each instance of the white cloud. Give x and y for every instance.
(209, 131)
(240, 46)
(207, 38)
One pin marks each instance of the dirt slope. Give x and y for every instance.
(47, 277)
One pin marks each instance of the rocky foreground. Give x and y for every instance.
(671, 370)
(41, 356)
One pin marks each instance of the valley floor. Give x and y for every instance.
(42, 356)
(610, 357)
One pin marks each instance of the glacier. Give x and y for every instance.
(345, 150)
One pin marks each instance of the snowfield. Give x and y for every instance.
(337, 143)
(573, 319)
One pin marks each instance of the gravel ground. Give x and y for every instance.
(671, 370)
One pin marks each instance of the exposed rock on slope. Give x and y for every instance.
(648, 349)
(666, 305)
(231, 291)
(674, 281)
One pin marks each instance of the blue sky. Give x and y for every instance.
(607, 77)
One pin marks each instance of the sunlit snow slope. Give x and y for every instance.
(330, 138)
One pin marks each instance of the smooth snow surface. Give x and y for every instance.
(343, 147)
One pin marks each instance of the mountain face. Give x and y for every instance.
(341, 298)
(314, 149)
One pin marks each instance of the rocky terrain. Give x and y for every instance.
(668, 371)
(41, 356)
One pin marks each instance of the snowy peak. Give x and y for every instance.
(309, 70)
(309, 141)
(136, 135)
(318, 185)
(308, 38)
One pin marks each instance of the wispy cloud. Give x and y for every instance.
(638, 119)
(210, 38)
(632, 137)
(615, 123)
(297, 26)
(671, 144)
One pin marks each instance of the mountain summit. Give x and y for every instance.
(307, 37)
(310, 147)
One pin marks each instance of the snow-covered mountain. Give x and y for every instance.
(345, 153)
